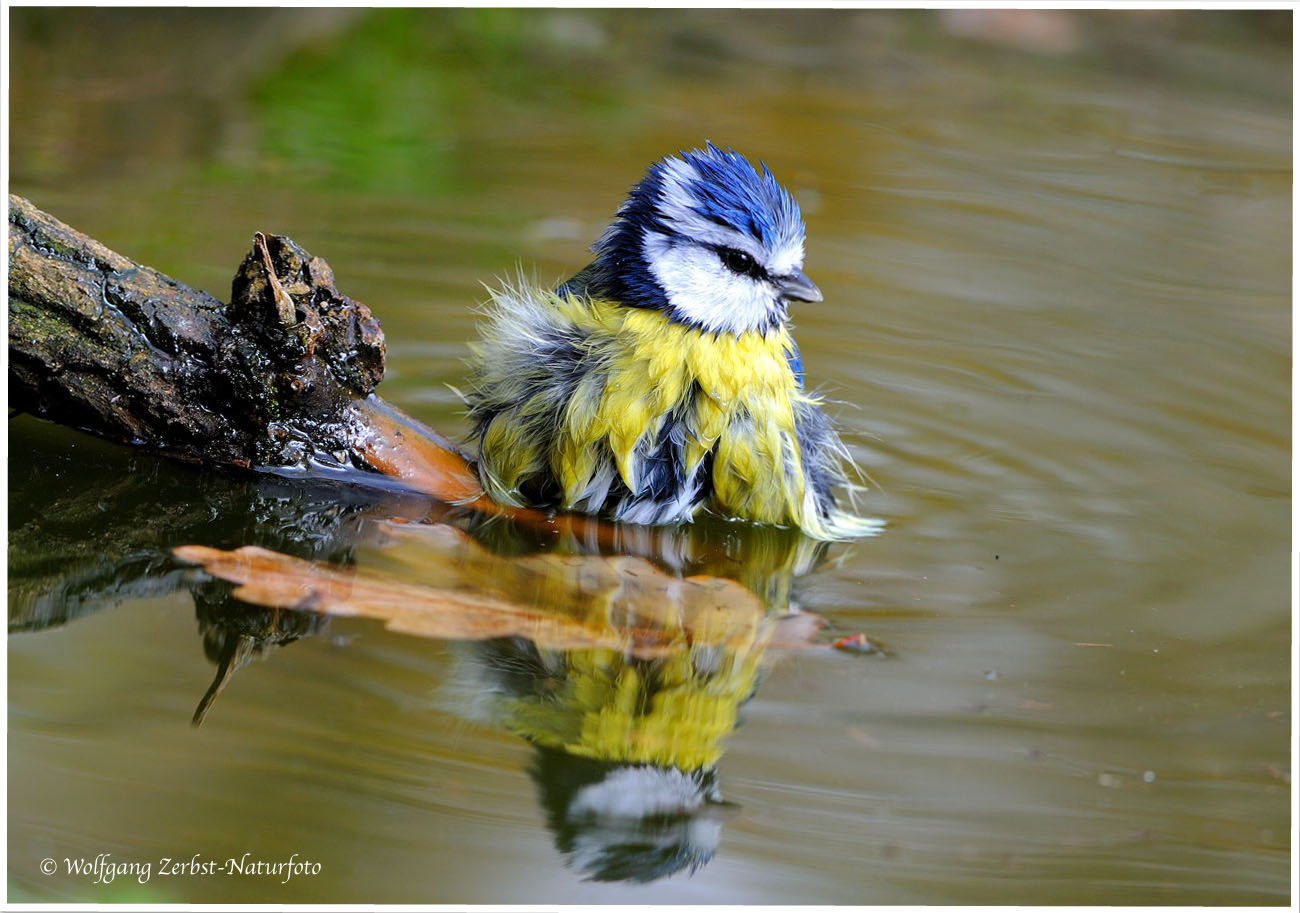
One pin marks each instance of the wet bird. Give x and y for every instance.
(662, 379)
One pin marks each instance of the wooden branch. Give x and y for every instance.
(282, 377)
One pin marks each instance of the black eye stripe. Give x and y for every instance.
(740, 262)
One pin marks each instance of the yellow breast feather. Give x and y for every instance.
(594, 406)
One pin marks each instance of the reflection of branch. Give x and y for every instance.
(648, 614)
(83, 542)
(235, 657)
(573, 583)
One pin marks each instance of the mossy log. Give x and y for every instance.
(282, 377)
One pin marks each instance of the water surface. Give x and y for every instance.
(1057, 333)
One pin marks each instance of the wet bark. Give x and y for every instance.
(115, 348)
(281, 377)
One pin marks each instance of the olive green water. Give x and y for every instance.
(1058, 327)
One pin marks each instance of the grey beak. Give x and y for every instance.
(798, 287)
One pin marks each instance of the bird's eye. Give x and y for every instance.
(739, 262)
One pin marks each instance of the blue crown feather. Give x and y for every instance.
(734, 194)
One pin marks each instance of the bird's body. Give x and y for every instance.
(663, 378)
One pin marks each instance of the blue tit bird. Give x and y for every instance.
(662, 379)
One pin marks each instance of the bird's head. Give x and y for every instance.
(711, 241)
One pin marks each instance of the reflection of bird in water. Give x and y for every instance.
(663, 378)
(627, 742)
(619, 822)
(625, 678)
(626, 749)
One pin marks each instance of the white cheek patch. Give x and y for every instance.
(704, 292)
